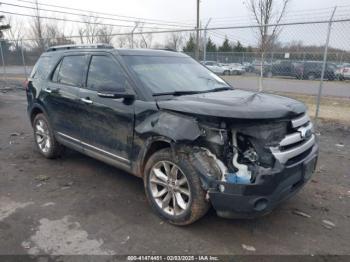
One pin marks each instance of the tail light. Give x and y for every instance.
(26, 84)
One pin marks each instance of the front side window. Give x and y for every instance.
(173, 74)
(104, 73)
(71, 70)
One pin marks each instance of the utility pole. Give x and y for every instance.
(197, 33)
(132, 34)
(205, 41)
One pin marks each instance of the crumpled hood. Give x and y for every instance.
(235, 103)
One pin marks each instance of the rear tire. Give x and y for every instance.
(44, 138)
(173, 188)
(226, 73)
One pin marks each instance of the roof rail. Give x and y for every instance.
(67, 47)
(165, 49)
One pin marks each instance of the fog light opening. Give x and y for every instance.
(260, 204)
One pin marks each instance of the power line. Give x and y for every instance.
(212, 28)
(102, 13)
(77, 21)
(85, 15)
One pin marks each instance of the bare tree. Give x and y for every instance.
(15, 32)
(122, 41)
(37, 29)
(56, 35)
(175, 41)
(88, 32)
(105, 34)
(265, 14)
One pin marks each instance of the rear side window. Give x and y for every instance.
(42, 68)
(104, 72)
(70, 70)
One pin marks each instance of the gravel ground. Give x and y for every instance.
(78, 205)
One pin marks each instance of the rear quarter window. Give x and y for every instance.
(42, 68)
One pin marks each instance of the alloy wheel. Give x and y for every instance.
(170, 188)
(42, 136)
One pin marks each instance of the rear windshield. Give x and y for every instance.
(173, 74)
(42, 68)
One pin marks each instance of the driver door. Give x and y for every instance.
(108, 123)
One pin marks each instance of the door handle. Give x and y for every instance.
(49, 90)
(86, 100)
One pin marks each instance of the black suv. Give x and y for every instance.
(162, 116)
(280, 68)
(312, 70)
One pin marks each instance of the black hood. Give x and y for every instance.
(235, 104)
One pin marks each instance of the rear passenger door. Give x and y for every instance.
(63, 96)
(108, 123)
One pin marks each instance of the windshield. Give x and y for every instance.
(173, 74)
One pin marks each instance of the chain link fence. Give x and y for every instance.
(300, 61)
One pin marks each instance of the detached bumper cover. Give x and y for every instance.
(249, 201)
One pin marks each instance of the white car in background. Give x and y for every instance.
(343, 71)
(216, 68)
(235, 68)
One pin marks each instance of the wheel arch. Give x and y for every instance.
(35, 110)
(151, 146)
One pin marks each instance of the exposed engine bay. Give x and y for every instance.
(242, 152)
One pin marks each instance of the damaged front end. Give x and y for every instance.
(249, 167)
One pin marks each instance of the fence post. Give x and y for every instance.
(4, 77)
(324, 65)
(205, 41)
(23, 60)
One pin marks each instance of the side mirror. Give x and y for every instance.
(114, 93)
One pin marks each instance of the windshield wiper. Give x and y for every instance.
(218, 89)
(178, 93)
(191, 92)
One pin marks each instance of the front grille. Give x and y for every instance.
(299, 140)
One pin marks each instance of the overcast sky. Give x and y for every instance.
(185, 10)
(222, 12)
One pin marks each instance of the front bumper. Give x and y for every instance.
(252, 200)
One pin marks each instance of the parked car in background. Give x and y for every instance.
(216, 68)
(343, 71)
(248, 67)
(280, 68)
(235, 68)
(256, 64)
(312, 70)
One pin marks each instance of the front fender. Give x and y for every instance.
(173, 126)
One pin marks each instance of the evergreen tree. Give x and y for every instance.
(225, 47)
(190, 45)
(3, 27)
(239, 48)
(211, 47)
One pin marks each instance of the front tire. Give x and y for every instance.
(173, 188)
(44, 138)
